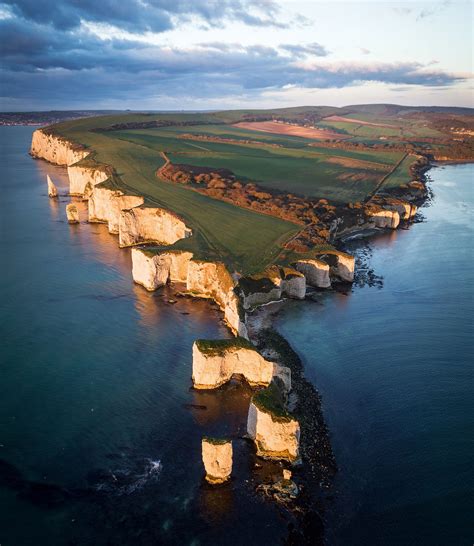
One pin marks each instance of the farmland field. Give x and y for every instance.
(293, 160)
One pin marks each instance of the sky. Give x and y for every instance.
(220, 54)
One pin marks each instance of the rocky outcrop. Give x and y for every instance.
(52, 190)
(106, 204)
(316, 272)
(72, 214)
(153, 270)
(203, 280)
(217, 459)
(271, 285)
(146, 224)
(405, 209)
(383, 219)
(213, 280)
(215, 362)
(275, 433)
(341, 265)
(81, 177)
(55, 149)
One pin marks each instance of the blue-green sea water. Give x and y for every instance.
(394, 365)
(100, 432)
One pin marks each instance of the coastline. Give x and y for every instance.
(321, 468)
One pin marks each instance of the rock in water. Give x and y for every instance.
(72, 214)
(52, 190)
(217, 459)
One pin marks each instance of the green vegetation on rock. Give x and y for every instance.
(272, 400)
(218, 347)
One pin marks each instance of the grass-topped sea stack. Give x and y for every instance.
(217, 459)
(275, 432)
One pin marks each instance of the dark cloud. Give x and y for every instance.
(144, 15)
(73, 67)
(299, 50)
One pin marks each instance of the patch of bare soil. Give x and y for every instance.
(281, 128)
(359, 122)
(359, 164)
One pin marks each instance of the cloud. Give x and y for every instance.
(145, 15)
(365, 51)
(299, 50)
(77, 64)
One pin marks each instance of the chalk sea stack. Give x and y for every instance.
(72, 214)
(217, 459)
(52, 190)
(275, 432)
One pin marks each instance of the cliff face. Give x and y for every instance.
(203, 280)
(105, 205)
(316, 272)
(271, 285)
(274, 438)
(153, 271)
(146, 224)
(383, 219)
(217, 459)
(215, 363)
(341, 265)
(55, 150)
(212, 280)
(81, 177)
(405, 209)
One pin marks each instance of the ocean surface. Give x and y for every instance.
(394, 363)
(100, 431)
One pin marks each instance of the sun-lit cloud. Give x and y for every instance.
(64, 52)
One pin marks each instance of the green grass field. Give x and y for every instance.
(245, 240)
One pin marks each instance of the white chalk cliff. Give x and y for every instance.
(341, 265)
(217, 459)
(271, 285)
(315, 271)
(203, 280)
(106, 205)
(146, 224)
(154, 270)
(384, 219)
(216, 362)
(55, 149)
(80, 177)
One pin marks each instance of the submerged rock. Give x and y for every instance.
(217, 459)
(72, 214)
(52, 190)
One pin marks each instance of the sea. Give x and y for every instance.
(100, 430)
